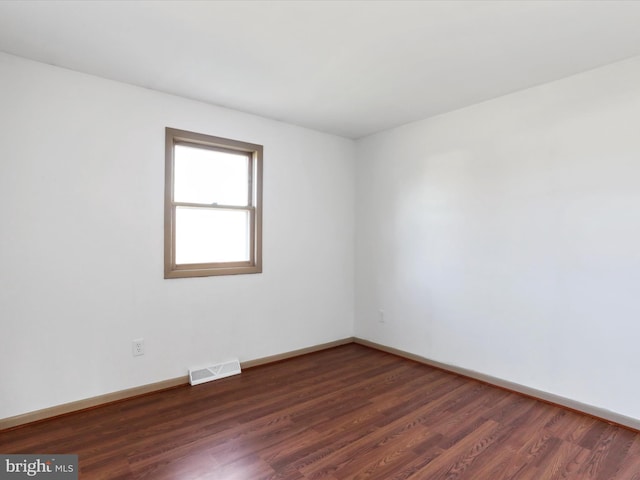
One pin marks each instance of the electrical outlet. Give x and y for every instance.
(381, 316)
(138, 347)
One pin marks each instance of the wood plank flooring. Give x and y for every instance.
(345, 413)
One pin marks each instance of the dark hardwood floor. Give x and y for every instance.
(345, 413)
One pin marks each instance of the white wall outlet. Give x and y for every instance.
(381, 316)
(138, 347)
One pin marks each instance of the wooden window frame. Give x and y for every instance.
(174, 137)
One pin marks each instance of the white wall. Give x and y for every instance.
(502, 238)
(81, 241)
(505, 238)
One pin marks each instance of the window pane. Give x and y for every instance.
(208, 176)
(210, 235)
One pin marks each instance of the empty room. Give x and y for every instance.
(336, 240)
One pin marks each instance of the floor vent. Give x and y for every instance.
(214, 372)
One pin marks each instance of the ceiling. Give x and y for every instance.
(350, 68)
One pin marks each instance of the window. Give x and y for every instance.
(213, 206)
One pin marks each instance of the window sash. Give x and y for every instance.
(250, 167)
(252, 225)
